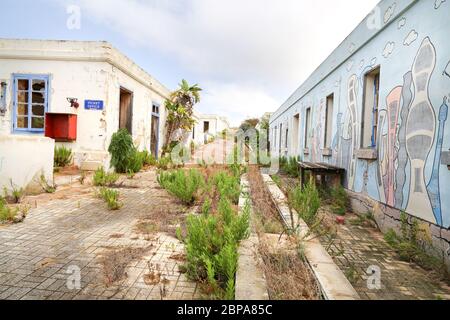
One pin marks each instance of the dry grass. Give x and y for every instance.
(263, 205)
(116, 261)
(165, 218)
(288, 277)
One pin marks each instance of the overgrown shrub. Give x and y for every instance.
(340, 201)
(104, 179)
(7, 214)
(290, 166)
(111, 197)
(16, 194)
(148, 158)
(409, 247)
(306, 202)
(124, 155)
(63, 156)
(228, 186)
(182, 184)
(163, 163)
(211, 248)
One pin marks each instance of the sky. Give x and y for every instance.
(249, 56)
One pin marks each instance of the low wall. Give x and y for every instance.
(23, 159)
(437, 239)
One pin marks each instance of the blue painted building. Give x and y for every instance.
(378, 107)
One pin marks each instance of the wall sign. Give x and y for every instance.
(93, 104)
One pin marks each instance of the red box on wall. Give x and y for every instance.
(61, 126)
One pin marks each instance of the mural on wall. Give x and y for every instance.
(350, 132)
(382, 155)
(447, 70)
(420, 131)
(402, 154)
(393, 107)
(433, 185)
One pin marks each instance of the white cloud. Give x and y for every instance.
(410, 38)
(438, 3)
(270, 46)
(388, 49)
(389, 13)
(401, 23)
(238, 102)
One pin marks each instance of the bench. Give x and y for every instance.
(323, 170)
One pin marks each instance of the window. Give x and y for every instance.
(275, 137)
(30, 103)
(287, 138)
(281, 138)
(329, 121)
(295, 134)
(307, 127)
(155, 108)
(369, 125)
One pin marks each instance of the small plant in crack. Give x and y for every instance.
(111, 197)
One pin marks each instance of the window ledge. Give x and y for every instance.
(327, 152)
(367, 154)
(445, 158)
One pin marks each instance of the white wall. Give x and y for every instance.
(20, 164)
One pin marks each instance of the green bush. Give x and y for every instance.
(124, 155)
(102, 178)
(306, 202)
(228, 186)
(340, 200)
(7, 214)
(111, 197)
(63, 156)
(163, 163)
(211, 248)
(290, 166)
(409, 248)
(184, 185)
(148, 158)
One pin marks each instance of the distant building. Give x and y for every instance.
(206, 126)
(39, 82)
(378, 107)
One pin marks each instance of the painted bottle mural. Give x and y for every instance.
(420, 131)
(433, 186)
(393, 104)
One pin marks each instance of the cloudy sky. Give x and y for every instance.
(247, 55)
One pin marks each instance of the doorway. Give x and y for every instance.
(126, 110)
(206, 130)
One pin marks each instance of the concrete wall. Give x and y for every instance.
(407, 170)
(87, 71)
(216, 126)
(19, 163)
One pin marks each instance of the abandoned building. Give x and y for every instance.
(76, 94)
(206, 127)
(377, 107)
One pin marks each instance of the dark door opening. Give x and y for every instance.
(206, 130)
(126, 110)
(154, 144)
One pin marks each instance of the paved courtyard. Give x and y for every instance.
(40, 258)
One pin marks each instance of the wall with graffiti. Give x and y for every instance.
(412, 136)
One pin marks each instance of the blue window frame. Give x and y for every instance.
(30, 103)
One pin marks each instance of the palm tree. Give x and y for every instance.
(180, 110)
